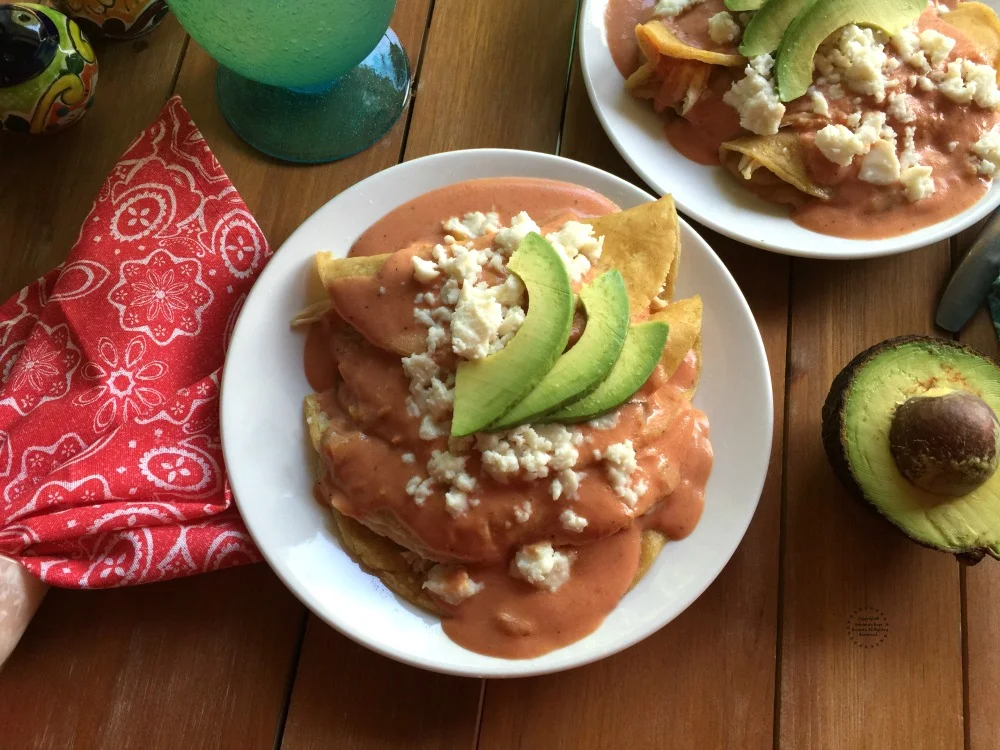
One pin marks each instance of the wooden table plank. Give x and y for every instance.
(456, 106)
(202, 662)
(707, 679)
(840, 689)
(494, 76)
(51, 181)
(981, 588)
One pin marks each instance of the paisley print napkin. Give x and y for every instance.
(111, 468)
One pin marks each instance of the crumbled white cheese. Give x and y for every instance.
(572, 521)
(577, 246)
(722, 29)
(952, 146)
(901, 107)
(621, 465)
(419, 489)
(425, 271)
(909, 157)
(456, 502)
(451, 583)
(431, 430)
(917, 182)
(522, 511)
(408, 458)
(907, 44)
(449, 469)
(820, 105)
(529, 451)
(542, 566)
(857, 55)
(755, 98)
(476, 322)
(925, 84)
(839, 144)
(607, 422)
(936, 46)
(673, 8)
(987, 149)
(508, 238)
(880, 166)
(964, 81)
(473, 225)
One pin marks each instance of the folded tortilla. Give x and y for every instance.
(674, 74)
(774, 165)
(981, 25)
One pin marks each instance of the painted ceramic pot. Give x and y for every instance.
(115, 19)
(49, 70)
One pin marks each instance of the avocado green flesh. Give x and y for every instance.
(486, 388)
(581, 369)
(764, 32)
(794, 67)
(744, 4)
(959, 524)
(639, 357)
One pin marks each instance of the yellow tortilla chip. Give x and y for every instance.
(643, 243)
(684, 319)
(756, 158)
(678, 86)
(650, 546)
(656, 40)
(981, 25)
(331, 268)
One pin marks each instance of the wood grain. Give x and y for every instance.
(201, 662)
(982, 605)
(841, 689)
(51, 181)
(494, 75)
(710, 672)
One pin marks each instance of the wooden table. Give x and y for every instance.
(771, 655)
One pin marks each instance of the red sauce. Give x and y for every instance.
(709, 123)
(620, 20)
(367, 473)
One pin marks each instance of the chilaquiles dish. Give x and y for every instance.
(869, 118)
(502, 418)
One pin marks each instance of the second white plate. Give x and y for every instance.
(710, 194)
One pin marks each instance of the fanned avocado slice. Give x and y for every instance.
(486, 388)
(910, 426)
(821, 18)
(639, 357)
(740, 5)
(764, 32)
(581, 369)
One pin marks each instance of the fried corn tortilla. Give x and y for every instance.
(770, 163)
(981, 25)
(644, 244)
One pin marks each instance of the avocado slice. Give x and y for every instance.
(639, 357)
(744, 4)
(763, 34)
(910, 426)
(819, 19)
(581, 369)
(487, 388)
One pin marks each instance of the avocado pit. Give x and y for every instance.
(945, 441)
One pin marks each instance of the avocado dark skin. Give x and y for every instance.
(834, 429)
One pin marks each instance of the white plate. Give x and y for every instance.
(268, 459)
(711, 194)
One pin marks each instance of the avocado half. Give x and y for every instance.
(910, 426)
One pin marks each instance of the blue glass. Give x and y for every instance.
(303, 80)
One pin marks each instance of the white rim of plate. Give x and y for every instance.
(595, 60)
(557, 168)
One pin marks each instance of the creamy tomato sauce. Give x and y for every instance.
(945, 132)
(364, 394)
(691, 27)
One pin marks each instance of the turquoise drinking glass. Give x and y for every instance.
(303, 80)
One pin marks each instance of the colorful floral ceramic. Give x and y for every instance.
(49, 73)
(116, 19)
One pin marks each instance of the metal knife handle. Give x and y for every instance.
(972, 280)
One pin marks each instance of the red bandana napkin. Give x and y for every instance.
(111, 468)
